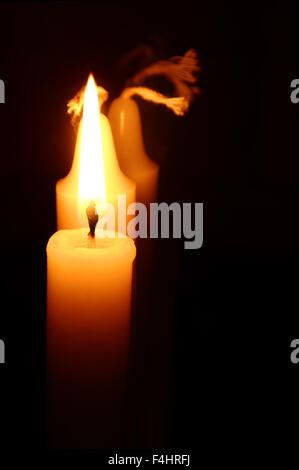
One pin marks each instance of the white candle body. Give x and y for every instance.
(88, 321)
(126, 127)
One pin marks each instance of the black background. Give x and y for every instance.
(227, 312)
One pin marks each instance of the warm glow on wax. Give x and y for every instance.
(91, 167)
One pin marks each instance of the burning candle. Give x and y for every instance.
(88, 304)
(94, 138)
(125, 122)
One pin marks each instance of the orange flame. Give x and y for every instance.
(91, 167)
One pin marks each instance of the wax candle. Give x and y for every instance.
(88, 320)
(94, 137)
(126, 127)
(88, 295)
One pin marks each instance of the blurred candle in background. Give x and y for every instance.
(126, 127)
(124, 117)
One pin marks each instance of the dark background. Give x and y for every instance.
(226, 313)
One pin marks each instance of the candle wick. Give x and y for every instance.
(93, 218)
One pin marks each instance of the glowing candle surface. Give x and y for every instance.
(88, 321)
(125, 122)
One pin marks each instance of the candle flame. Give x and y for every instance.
(91, 167)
